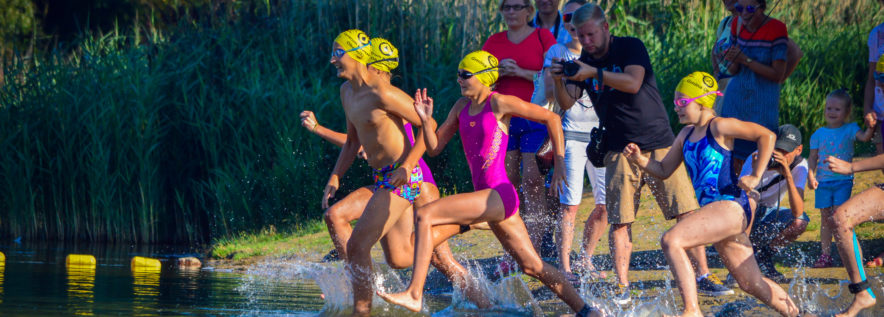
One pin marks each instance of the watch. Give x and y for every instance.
(748, 61)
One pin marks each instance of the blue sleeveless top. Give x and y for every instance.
(710, 167)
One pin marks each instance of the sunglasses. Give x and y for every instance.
(463, 74)
(748, 9)
(684, 102)
(338, 53)
(567, 17)
(514, 7)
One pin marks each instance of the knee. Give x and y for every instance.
(670, 241)
(600, 213)
(424, 214)
(333, 215)
(840, 220)
(397, 263)
(532, 268)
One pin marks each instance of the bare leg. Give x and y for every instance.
(710, 224)
(383, 210)
(338, 217)
(513, 161)
(737, 254)
(866, 206)
(696, 254)
(826, 231)
(592, 232)
(565, 236)
(535, 201)
(792, 232)
(620, 240)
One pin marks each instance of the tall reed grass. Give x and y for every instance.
(192, 133)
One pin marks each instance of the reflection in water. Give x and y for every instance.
(145, 290)
(81, 282)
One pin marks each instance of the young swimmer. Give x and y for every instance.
(725, 214)
(864, 207)
(398, 242)
(482, 117)
(375, 111)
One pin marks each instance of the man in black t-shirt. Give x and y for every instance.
(616, 72)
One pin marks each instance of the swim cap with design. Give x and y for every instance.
(384, 56)
(698, 84)
(483, 64)
(356, 43)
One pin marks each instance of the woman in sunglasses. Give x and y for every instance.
(520, 50)
(725, 215)
(482, 116)
(757, 61)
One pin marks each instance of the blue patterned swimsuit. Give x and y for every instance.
(711, 169)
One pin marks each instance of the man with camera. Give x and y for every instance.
(774, 226)
(616, 73)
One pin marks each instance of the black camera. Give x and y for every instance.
(569, 68)
(772, 164)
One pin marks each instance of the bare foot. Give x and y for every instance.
(861, 301)
(480, 226)
(402, 299)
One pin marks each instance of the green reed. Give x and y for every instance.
(192, 133)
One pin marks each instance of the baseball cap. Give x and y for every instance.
(788, 138)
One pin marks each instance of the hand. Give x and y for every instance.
(400, 176)
(330, 190)
(508, 67)
(423, 105)
(308, 120)
(748, 184)
(839, 166)
(584, 72)
(735, 55)
(559, 179)
(812, 182)
(783, 168)
(632, 153)
(871, 119)
(555, 69)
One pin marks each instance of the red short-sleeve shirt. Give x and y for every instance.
(528, 54)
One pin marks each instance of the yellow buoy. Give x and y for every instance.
(83, 260)
(145, 263)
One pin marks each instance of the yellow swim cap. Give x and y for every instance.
(482, 64)
(384, 56)
(356, 43)
(699, 84)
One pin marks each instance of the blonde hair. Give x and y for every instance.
(588, 12)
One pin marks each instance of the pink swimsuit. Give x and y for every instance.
(484, 144)
(428, 176)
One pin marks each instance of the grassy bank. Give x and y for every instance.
(191, 134)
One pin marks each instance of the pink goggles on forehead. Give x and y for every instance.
(684, 102)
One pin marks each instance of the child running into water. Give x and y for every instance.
(397, 243)
(836, 139)
(864, 207)
(482, 118)
(725, 215)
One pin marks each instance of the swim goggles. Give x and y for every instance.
(684, 102)
(338, 53)
(463, 74)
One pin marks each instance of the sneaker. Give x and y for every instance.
(621, 295)
(824, 261)
(712, 286)
(331, 256)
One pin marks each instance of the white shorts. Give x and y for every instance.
(575, 163)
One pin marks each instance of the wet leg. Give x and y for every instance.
(866, 206)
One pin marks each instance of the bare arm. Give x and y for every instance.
(345, 159)
(793, 56)
(660, 169)
(513, 106)
(869, 91)
(436, 140)
(870, 119)
(629, 81)
(842, 167)
(812, 161)
(796, 195)
(400, 104)
(752, 132)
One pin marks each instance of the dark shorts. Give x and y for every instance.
(769, 222)
(525, 136)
